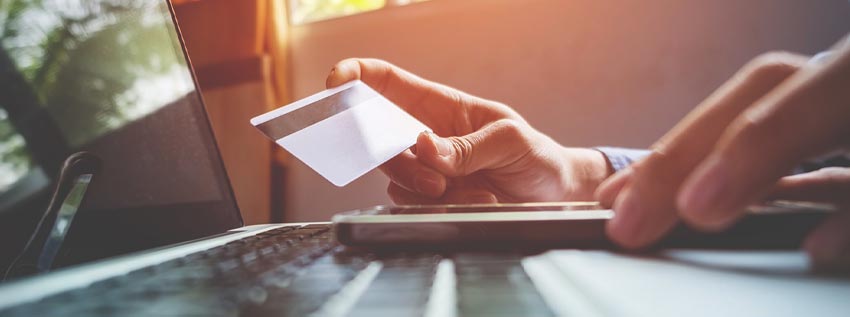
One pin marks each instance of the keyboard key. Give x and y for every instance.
(496, 285)
(401, 288)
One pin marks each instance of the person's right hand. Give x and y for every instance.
(736, 149)
(481, 151)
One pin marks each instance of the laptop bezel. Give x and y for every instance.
(208, 126)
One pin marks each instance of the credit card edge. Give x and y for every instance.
(301, 103)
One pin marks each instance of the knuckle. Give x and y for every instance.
(773, 65)
(662, 170)
(396, 194)
(753, 130)
(517, 136)
(391, 191)
(500, 105)
(509, 129)
(755, 135)
(464, 149)
(394, 169)
(506, 110)
(457, 99)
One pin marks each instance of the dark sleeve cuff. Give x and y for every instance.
(840, 158)
(620, 158)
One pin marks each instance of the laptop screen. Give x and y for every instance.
(108, 77)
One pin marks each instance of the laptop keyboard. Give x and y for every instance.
(298, 271)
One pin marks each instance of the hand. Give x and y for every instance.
(481, 151)
(829, 245)
(733, 149)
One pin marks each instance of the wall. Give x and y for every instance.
(587, 72)
(225, 40)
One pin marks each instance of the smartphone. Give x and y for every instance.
(773, 225)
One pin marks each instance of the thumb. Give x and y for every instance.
(496, 145)
(345, 71)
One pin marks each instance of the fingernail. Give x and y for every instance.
(429, 183)
(704, 196)
(348, 65)
(444, 147)
(423, 137)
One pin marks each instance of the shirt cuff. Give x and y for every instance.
(620, 158)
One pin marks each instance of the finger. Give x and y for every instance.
(401, 196)
(642, 212)
(494, 146)
(469, 196)
(432, 103)
(828, 245)
(607, 192)
(646, 209)
(406, 171)
(805, 116)
(829, 185)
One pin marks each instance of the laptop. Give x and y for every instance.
(114, 200)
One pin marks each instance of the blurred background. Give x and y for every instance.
(586, 72)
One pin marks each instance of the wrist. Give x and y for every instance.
(588, 168)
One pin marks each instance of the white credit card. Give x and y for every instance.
(343, 132)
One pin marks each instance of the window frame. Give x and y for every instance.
(389, 4)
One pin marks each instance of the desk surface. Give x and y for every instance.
(687, 283)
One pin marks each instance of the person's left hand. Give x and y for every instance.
(733, 151)
(481, 151)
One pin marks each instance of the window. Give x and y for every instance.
(14, 158)
(305, 11)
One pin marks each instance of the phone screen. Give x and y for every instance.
(482, 208)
